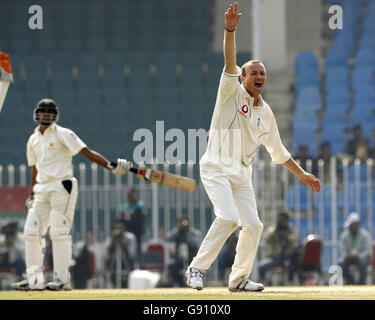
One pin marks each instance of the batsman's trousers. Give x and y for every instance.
(233, 198)
(54, 204)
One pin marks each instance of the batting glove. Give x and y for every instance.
(29, 201)
(121, 167)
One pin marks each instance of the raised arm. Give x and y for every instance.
(232, 19)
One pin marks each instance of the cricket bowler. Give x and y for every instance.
(241, 121)
(53, 196)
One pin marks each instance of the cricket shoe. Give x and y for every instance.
(247, 285)
(57, 285)
(194, 278)
(23, 285)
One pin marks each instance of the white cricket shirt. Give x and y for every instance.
(52, 152)
(237, 129)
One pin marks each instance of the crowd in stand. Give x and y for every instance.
(357, 147)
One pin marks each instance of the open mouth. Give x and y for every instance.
(258, 85)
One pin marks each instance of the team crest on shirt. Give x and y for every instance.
(244, 110)
(51, 144)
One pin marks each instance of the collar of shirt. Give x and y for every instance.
(51, 127)
(250, 98)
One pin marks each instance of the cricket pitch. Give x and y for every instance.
(210, 293)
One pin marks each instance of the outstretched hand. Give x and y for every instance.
(312, 181)
(232, 17)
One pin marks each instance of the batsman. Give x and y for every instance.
(53, 196)
(241, 121)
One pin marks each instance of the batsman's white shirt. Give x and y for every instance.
(237, 128)
(52, 152)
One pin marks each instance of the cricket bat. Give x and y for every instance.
(6, 76)
(165, 178)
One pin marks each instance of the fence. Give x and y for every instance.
(346, 187)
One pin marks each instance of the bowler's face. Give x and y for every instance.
(255, 79)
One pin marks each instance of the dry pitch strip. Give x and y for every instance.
(209, 293)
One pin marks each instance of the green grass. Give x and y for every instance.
(210, 293)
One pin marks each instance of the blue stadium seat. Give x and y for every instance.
(334, 133)
(297, 194)
(364, 94)
(305, 119)
(362, 175)
(362, 116)
(337, 76)
(336, 57)
(338, 95)
(365, 58)
(333, 116)
(368, 24)
(324, 197)
(345, 42)
(367, 41)
(362, 75)
(306, 60)
(307, 79)
(309, 95)
(305, 135)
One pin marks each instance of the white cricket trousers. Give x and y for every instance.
(232, 196)
(54, 204)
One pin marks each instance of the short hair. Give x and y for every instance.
(243, 67)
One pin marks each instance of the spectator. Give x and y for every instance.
(358, 147)
(282, 246)
(303, 155)
(133, 214)
(185, 242)
(120, 252)
(356, 249)
(12, 248)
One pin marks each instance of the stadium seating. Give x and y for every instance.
(101, 57)
(349, 88)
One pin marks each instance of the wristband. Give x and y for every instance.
(111, 165)
(230, 30)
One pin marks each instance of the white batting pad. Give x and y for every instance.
(34, 243)
(62, 258)
(61, 246)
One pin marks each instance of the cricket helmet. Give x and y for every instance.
(46, 104)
